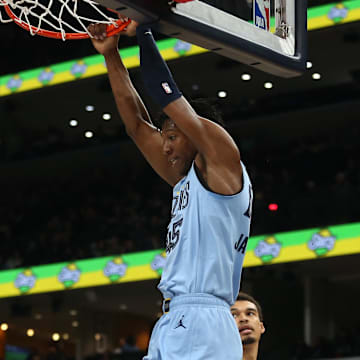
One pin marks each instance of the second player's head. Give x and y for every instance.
(248, 315)
(176, 145)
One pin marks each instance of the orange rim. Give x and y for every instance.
(110, 30)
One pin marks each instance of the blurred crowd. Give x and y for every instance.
(25, 145)
(81, 218)
(315, 182)
(346, 344)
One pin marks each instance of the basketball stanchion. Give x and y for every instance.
(61, 19)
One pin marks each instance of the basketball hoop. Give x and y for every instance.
(60, 19)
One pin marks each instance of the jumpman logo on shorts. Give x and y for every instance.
(180, 324)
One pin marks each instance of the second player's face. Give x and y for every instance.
(248, 322)
(177, 148)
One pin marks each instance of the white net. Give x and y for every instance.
(64, 19)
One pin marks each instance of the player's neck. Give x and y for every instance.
(250, 351)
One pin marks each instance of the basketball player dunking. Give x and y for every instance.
(211, 206)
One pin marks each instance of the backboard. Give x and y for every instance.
(218, 26)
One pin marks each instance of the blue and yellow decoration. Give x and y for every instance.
(159, 262)
(46, 76)
(182, 47)
(115, 269)
(268, 249)
(79, 69)
(308, 244)
(322, 242)
(338, 13)
(25, 281)
(69, 275)
(14, 83)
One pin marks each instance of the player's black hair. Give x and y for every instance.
(206, 108)
(242, 296)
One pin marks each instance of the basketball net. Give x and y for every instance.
(46, 18)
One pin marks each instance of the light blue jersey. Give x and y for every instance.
(206, 243)
(206, 240)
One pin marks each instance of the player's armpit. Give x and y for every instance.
(221, 167)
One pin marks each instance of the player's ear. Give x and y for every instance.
(262, 327)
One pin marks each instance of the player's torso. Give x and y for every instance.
(206, 239)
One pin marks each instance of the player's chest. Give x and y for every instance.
(181, 200)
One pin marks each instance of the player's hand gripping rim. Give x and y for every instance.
(98, 31)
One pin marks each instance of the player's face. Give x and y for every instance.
(248, 322)
(177, 148)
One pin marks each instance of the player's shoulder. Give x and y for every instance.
(218, 134)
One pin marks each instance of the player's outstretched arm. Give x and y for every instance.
(219, 157)
(129, 104)
(219, 160)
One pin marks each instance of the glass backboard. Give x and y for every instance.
(269, 35)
